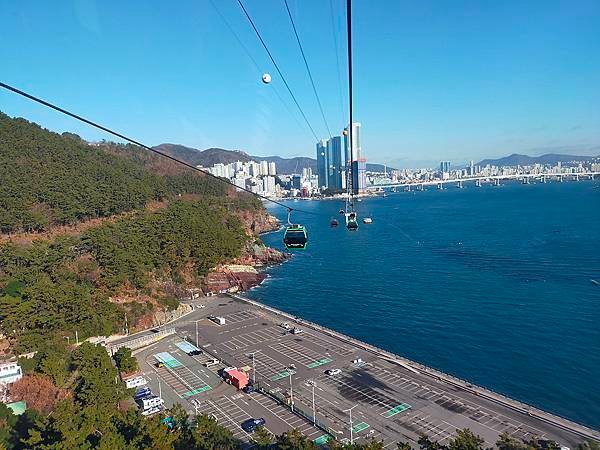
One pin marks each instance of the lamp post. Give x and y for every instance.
(351, 433)
(289, 370)
(313, 384)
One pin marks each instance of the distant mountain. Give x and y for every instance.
(524, 160)
(211, 156)
(205, 158)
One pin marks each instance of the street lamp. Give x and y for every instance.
(313, 383)
(351, 435)
(68, 340)
(289, 371)
(253, 368)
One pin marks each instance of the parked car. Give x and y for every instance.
(296, 330)
(333, 372)
(250, 425)
(285, 325)
(195, 352)
(249, 388)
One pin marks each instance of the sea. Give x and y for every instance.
(498, 285)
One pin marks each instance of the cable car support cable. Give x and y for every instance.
(312, 81)
(278, 70)
(144, 146)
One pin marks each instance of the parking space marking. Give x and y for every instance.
(297, 352)
(359, 427)
(396, 410)
(254, 337)
(240, 316)
(329, 346)
(288, 417)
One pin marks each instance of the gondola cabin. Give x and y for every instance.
(295, 237)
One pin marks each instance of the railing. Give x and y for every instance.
(140, 341)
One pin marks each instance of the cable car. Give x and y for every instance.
(295, 236)
(342, 212)
(351, 222)
(266, 78)
(334, 223)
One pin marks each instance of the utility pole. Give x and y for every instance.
(76, 337)
(314, 384)
(159, 387)
(351, 433)
(68, 340)
(197, 341)
(291, 389)
(253, 368)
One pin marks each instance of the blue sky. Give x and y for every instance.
(434, 80)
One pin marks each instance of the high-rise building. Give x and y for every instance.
(359, 162)
(334, 162)
(322, 163)
(272, 169)
(471, 168)
(445, 167)
(254, 169)
(264, 168)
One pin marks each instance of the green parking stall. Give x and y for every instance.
(322, 439)
(318, 363)
(360, 426)
(195, 391)
(168, 360)
(281, 375)
(396, 410)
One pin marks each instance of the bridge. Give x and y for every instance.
(496, 180)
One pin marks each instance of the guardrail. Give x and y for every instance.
(515, 405)
(141, 341)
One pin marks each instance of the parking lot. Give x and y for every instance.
(390, 402)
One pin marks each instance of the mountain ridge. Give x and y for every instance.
(215, 155)
(517, 159)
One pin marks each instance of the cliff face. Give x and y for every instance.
(242, 275)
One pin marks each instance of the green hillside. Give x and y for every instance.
(51, 179)
(53, 286)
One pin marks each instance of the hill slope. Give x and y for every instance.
(49, 179)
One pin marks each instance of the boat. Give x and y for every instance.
(367, 220)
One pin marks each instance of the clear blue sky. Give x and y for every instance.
(434, 80)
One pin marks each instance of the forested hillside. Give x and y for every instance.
(91, 279)
(51, 179)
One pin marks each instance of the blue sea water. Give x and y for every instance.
(490, 284)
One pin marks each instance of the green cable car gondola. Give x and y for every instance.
(295, 236)
(351, 222)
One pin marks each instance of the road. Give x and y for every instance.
(392, 400)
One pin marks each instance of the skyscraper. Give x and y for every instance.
(359, 163)
(445, 166)
(322, 163)
(334, 162)
(272, 168)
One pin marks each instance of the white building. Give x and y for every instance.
(264, 168)
(269, 185)
(272, 169)
(10, 371)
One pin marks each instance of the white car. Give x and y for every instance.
(333, 372)
(285, 325)
(200, 306)
(296, 331)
